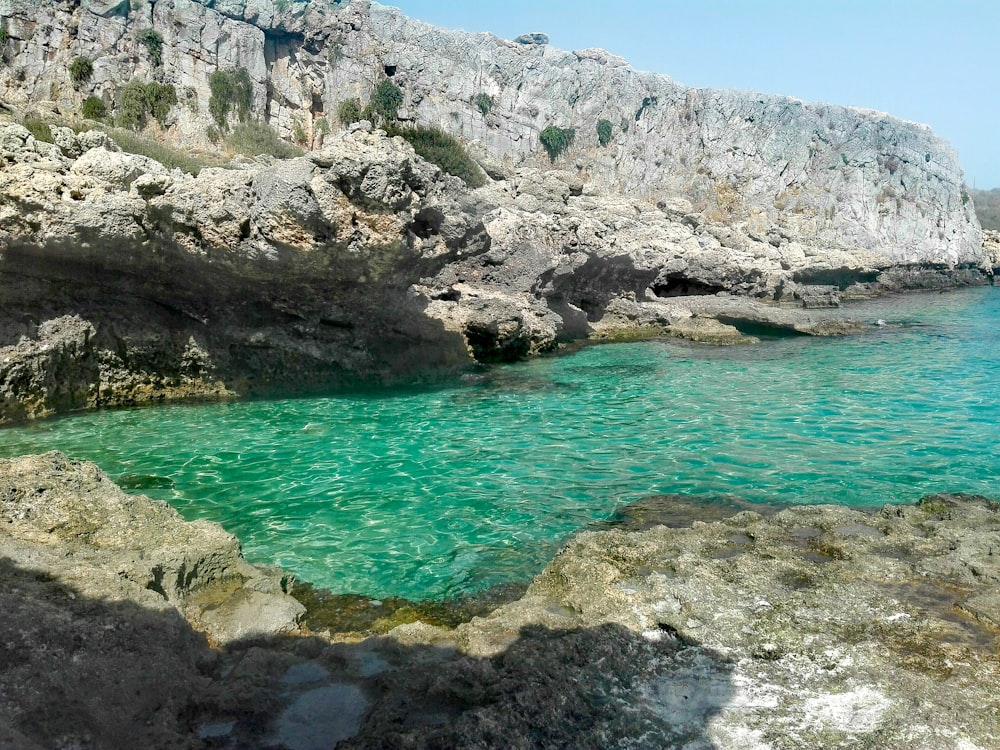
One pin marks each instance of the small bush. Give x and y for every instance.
(484, 102)
(80, 70)
(154, 45)
(349, 111)
(647, 102)
(299, 133)
(556, 140)
(171, 158)
(387, 100)
(136, 101)
(230, 88)
(604, 132)
(94, 108)
(38, 128)
(321, 126)
(335, 52)
(255, 138)
(439, 148)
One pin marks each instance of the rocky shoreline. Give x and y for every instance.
(810, 626)
(125, 283)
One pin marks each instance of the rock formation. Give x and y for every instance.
(125, 282)
(824, 175)
(122, 281)
(815, 626)
(70, 521)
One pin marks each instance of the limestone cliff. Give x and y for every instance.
(123, 281)
(824, 175)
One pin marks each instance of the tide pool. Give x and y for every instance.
(434, 493)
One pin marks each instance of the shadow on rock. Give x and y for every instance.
(595, 687)
(79, 672)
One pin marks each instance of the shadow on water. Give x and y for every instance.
(82, 672)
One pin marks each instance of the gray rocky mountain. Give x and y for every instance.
(122, 281)
(830, 176)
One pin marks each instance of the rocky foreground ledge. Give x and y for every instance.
(819, 626)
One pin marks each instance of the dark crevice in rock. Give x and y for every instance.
(759, 329)
(489, 346)
(678, 285)
(839, 277)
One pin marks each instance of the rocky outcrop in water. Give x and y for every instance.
(125, 282)
(293, 275)
(991, 245)
(71, 522)
(814, 626)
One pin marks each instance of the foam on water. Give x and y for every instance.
(433, 493)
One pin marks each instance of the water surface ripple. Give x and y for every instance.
(434, 493)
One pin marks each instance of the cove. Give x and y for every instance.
(436, 493)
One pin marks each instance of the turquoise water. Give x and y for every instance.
(434, 493)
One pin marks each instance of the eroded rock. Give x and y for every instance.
(71, 521)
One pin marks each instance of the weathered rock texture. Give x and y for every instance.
(123, 282)
(815, 627)
(991, 245)
(818, 627)
(828, 176)
(70, 521)
(161, 285)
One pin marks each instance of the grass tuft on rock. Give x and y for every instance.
(439, 148)
(38, 128)
(256, 138)
(556, 140)
(171, 158)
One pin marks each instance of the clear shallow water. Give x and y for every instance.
(434, 493)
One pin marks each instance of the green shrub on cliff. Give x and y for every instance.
(255, 138)
(137, 101)
(604, 132)
(439, 148)
(386, 100)
(484, 102)
(556, 140)
(349, 111)
(94, 108)
(80, 70)
(153, 41)
(230, 88)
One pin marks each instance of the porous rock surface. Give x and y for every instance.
(824, 175)
(124, 282)
(360, 263)
(70, 521)
(815, 626)
(162, 285)
(820, 626)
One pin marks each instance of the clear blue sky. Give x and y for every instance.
(932, 61)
